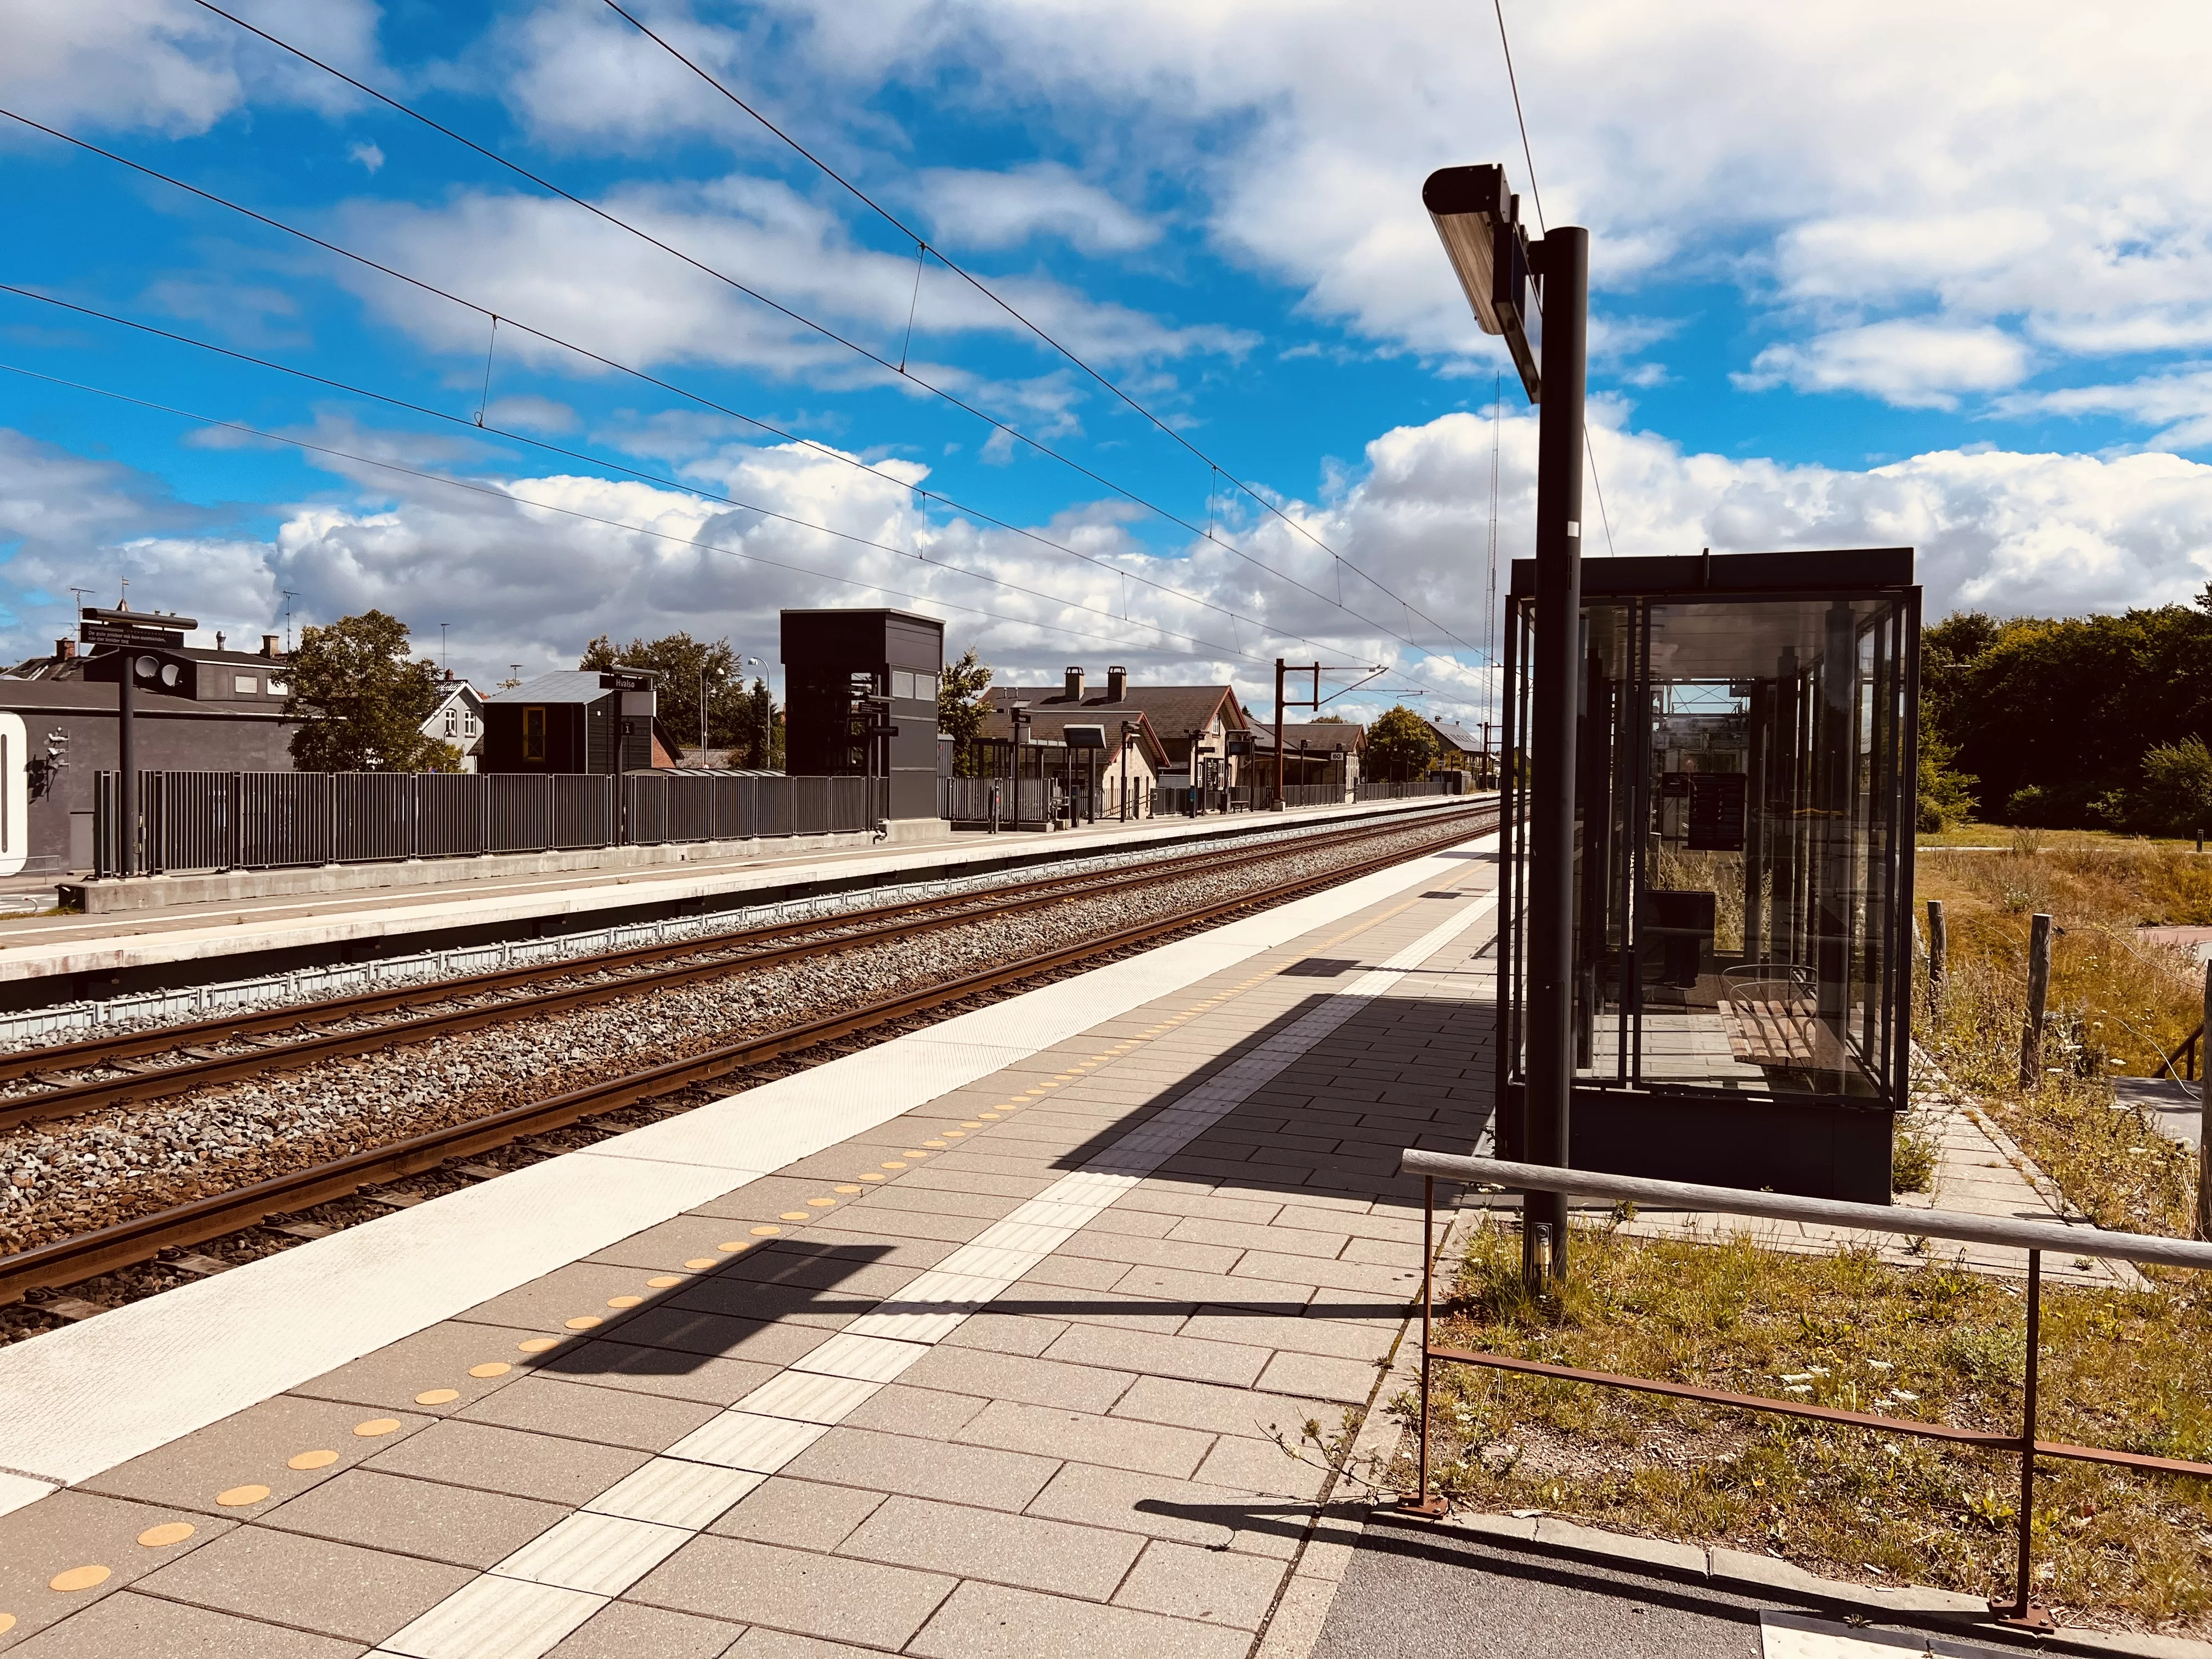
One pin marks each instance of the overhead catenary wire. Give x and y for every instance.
(1011, 310)
(1536, 196)
(1012, 433)
(782, 434)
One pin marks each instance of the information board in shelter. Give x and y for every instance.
(1716, 803)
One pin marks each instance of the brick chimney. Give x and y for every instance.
(65, 649)
(1074, 693)
(269, 645)
(1117, 685)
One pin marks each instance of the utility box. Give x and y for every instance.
(861, 700)
(1744, 803)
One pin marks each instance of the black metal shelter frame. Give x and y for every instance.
(1743, 822)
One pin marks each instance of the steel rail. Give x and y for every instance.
(123, 1243)
(874, 924)
(2033, 1236)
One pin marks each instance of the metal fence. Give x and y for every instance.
(210, 821)
(1407, 791)
(2032, 1236)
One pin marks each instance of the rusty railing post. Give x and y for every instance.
(2038, 989)
(1421, 1503)
(1939, 954)
(2023, 1613)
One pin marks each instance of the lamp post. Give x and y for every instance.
(1537, 296)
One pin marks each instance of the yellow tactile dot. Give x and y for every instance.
(965, 1125)
(437, 1396)
(871, 1176)
(77, 1578)
(939, 1144)
(699, 1263)
(956, 1135)
(792, 1215)
(766, 1232)
(583, 1321)
(733, 1245)
(169, 1532)
(539, 1344)
(992, 1116)
(7, 1622)
(491, 1368)
(893, 1164)
(821, 1203)
(625, 1301)
(239, 1497)
(311, 1460)
(374, 1426)
(846, 1188)
(668, 1281)
(911, 1153)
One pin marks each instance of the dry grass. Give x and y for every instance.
(2117, 1007)
(1936, 1343)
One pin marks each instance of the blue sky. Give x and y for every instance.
(1860, 280)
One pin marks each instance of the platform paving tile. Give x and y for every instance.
(551, 1405)
(150, 1627)
(1096, 1244)
(1401, 1282)
(808, 1595)
(1006, 1333)
(1018, 1377)
(651, 1370)
(75, 1528)
(1249, 1412)
(1159, 1354)
(1260, 1465)
(1141, 1223)
(940, 1201)
(331, 1588)
(666, 1248)
(991, 1621)
(1216, 1587)
(1236, 1289)
(624, 1630)
(1250, 1236)
(520, 1464)
(797, 1514)
(1007, 1549)
(921, 1414)
(379, 1511)
(438, 1357)
(547, 1302)
(1180, 1198)
(982, 1475)
(1110, 1442)
(955, 1178)
(1320, 1376)
(252, 1449)
(1213, 1517)
(688, 1331)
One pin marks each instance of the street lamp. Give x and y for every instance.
(1477, 216)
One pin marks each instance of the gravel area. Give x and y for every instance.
(72, 1175)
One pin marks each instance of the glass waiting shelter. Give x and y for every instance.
(1743, 845)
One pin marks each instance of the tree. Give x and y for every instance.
(1399, 746)
(2175, 798)
(678, 659)
(961, 707)
(1945, 799)
(360, 703)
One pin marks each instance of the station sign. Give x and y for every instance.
(133, 628)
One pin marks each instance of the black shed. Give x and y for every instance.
(852, 673)
(572, 720)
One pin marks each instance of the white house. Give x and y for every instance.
(458, 719)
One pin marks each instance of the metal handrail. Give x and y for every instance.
(2033, 1236)
(1787, 1206)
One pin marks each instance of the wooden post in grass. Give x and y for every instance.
(1938, 954)
(2203, 1126)
(2039, 988)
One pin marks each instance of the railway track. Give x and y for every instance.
(71, 1261)
(455, 1005)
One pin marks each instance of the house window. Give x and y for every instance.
(278, 689)
(243, 684)
(468, 725)
(452, 723)
(533, 734)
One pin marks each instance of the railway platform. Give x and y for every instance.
(55, 957)
(1016, 1335)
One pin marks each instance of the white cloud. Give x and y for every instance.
(367, 155)
(1914, 365)
(170, 66)
(2179, 403)
(972, 209)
